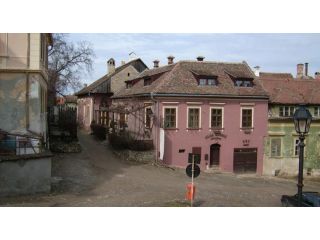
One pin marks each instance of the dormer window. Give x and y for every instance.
(147, 81)
(208, 81)
(243, 83)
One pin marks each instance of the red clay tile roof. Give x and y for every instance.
(180, 78)
(284, 90)
(71, 99)
(275, 75)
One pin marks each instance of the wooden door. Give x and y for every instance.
(214, 155)
(245, 160)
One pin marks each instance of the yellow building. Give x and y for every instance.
(24, 83)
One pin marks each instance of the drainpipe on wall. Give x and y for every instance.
(92, 111)
(157, 128)
(27, 103)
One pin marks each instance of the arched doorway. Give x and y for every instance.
(214, 155)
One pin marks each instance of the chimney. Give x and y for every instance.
(306, 69)
(317, 75)
(170, 59)
(123, 62)
(111, 65)
(300, 70)
(257, 71)
(85, 85)
(156, 63)
(200, 58)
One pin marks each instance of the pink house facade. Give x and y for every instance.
(94, 100)
(213, 109)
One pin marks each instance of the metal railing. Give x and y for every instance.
(20, 144)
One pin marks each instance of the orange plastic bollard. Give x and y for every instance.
(191, 190)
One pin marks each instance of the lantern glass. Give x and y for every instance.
(302, 126)
(302, 120)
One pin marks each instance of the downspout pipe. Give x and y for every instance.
(158, 124)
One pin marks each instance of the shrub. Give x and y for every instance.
(141, 145)
(119, 141)
(99, 131)
(123, 140)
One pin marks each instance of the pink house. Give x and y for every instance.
(94, 100)
(215, 109)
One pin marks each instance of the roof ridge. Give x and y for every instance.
(277, 72)
(195, 61)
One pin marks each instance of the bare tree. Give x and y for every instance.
(67, 62)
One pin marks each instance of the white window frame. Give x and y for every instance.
(281, 146)
(210, 116)
(316, 108)
(284, 110)
(163, 114)
(202, 80)
(193, 107)
(252, 116)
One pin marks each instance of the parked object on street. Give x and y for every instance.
(309, 199)
(191, 190)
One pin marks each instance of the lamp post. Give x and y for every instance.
(302, 120)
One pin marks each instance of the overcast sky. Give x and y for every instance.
(272, 52)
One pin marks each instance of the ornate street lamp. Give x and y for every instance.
(302, 120)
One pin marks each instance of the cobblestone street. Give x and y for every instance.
(95, 177)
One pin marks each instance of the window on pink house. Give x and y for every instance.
(246, 118)
(123, 120)
(148, 113)
(193, 118)
(216, 118)
(170, 118)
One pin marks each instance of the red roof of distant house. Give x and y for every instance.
(285, 89)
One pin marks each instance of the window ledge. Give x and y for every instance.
(216, 129)
(194, 129)
(247, 130)
(171, 128)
